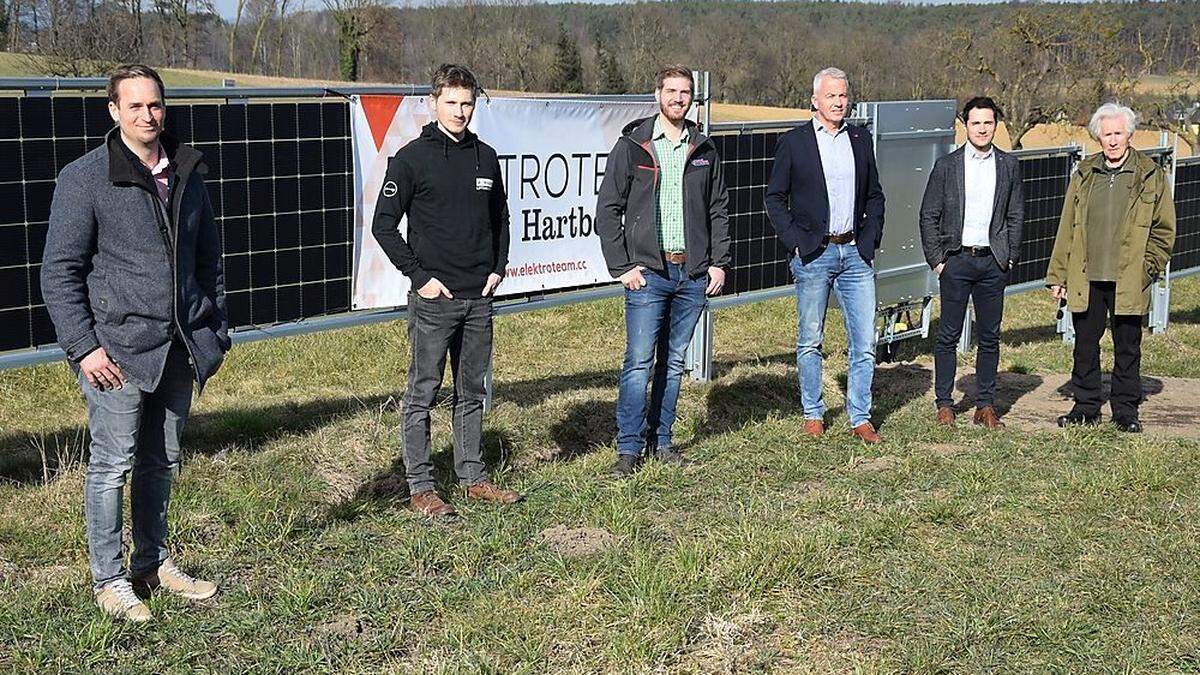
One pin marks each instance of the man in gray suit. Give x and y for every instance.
(971, 218)
(133, 282)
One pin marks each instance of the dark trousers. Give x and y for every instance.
(978, 278)
(1127, 355)
(461, 327)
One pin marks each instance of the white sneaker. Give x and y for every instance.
(118, 600)
(171, 579)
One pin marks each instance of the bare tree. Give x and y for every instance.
(354, 20)
(1027, 65)
(231, 58)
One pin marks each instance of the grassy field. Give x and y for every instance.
(942, 550)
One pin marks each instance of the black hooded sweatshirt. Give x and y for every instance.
(453, 195)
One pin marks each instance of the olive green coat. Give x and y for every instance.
(1145, 240)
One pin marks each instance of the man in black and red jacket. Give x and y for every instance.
(661, 214)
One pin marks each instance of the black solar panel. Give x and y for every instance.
(1045, 181)
(759, 259)
(279, 179)
(1187, 216)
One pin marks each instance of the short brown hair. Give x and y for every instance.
(456, 76)
(130, 71)
(673, 70)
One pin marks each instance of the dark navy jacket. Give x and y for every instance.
(796, 201)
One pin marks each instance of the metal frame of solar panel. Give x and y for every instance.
(280, 178)
(1044, 177)
(1186, 256)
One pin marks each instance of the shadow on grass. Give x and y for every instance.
(1191, 316)
(21, 454)
(587, 426)
(1010, 387)
(1150, 387)
(391, 485)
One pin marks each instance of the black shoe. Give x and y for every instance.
(672, 458)
(624, 466)
(1074, 419)
(1128, 425)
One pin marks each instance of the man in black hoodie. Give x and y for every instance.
(664, 229)
(448, 183)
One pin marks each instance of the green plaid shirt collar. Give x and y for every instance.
(672, 159)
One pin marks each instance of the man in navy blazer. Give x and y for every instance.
(826, 204)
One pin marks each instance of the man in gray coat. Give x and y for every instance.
(971, 220)
(133, 282)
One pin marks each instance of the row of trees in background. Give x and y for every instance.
(1043, 62)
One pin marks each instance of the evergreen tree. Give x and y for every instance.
(610, 80)
(567, 71)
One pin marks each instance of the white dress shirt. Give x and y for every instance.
(979, 183)
(837, 162)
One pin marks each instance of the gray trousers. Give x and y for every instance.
(461, 327)
(133, 432)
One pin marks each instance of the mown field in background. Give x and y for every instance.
(942, 550)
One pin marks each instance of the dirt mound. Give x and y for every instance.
(573, 543)
(1171, 408)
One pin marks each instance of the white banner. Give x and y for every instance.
(552, 156)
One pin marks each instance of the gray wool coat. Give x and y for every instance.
(123, 273)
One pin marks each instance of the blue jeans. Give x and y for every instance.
(841, 267)
(660, 318)
(133, 432)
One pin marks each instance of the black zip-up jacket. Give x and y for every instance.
(627, 204)
(453, 195)
(122, 272)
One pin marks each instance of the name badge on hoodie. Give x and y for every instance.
(483, 183)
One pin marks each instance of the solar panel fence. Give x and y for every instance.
(1185, 259)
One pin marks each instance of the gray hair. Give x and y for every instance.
(832, 73)
(1109, 111)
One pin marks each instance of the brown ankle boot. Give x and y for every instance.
(987, 417)
(428, 503)
(486, 491)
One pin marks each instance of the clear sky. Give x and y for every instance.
(226, 7)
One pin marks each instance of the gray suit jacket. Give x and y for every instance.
(124, 273)
(943, 205)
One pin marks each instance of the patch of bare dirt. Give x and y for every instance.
(577, 542)
(1171, 408)
(883, 463)
(343, 628)
(947, 449)
(729, 645)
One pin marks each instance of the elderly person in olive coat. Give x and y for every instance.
(1114, 240)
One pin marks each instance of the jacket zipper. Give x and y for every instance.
(172, 246)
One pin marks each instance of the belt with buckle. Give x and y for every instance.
(844, 238)
(977, 251)
(675, 257)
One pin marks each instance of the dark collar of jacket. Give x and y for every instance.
(641, 132)
(859, 145)
(124, 167)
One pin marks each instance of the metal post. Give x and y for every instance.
(700, 349)
(968, 330)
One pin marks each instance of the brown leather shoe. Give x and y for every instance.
(428, 503)
(486, 491)
(866, 433)
(814, 428)
(986, 416)
(945, 416)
